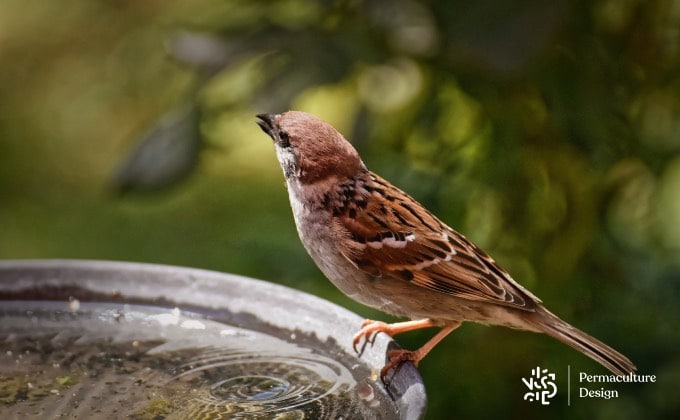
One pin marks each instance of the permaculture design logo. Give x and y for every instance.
(541, 386)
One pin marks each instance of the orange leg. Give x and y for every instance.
(370, 328)
(397, 357)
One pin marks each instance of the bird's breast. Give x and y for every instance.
(321, 240)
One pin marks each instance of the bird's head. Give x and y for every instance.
(309, 149)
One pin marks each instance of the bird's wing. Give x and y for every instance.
(393, 236)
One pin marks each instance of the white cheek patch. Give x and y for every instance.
(287, 160)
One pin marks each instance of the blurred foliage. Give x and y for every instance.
(548, 132)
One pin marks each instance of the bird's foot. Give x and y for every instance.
(369, 329)
(396, 357)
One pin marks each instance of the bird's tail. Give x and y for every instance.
(550, 324)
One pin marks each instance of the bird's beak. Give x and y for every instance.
(266, 123)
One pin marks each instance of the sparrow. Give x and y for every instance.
(382, 248)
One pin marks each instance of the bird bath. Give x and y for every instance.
(84, 338)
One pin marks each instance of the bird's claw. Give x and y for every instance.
(369, 330)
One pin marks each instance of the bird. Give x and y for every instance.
(385, 250)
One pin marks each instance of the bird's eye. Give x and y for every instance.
(284, 140)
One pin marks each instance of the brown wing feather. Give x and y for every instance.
(413, 245)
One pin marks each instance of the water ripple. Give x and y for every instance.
(231, 382)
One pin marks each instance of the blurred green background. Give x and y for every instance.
(547, 132)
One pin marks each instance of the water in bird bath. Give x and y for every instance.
(114, 360)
